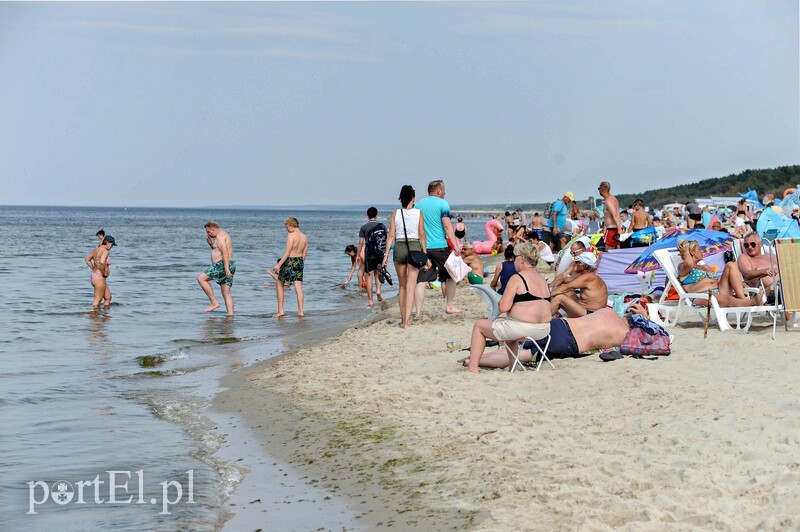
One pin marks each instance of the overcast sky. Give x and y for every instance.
(191, 104)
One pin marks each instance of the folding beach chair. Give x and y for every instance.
(542, 354)
(787, 253)
(490, 297)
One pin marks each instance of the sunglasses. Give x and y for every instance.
(750, 244)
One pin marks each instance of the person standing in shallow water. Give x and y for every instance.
(98, 260)
(222, 267)
(101, 237)
(290, 267)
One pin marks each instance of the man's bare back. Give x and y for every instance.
(297, 244)
(640, 219)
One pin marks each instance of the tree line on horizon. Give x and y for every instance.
(763, 181)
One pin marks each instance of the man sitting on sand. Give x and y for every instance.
(475, 276)
(569, 337)
(580, 276)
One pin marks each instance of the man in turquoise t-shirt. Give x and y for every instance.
(438, 228)
(557, 220)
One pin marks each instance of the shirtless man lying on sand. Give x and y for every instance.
(569, 337)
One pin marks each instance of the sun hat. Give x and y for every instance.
(569, 195)
(588, 259)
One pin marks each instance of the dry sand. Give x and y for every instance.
(706, 438)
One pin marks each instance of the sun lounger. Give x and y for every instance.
(669, 259)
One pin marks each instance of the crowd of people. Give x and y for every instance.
(572, 308)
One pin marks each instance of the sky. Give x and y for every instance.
(304, 103)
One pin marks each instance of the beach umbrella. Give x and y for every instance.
(711, 243)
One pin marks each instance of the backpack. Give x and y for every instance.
(375, 243)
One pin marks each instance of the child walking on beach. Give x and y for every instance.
(290, 267)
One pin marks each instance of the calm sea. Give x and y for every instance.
(84, 392)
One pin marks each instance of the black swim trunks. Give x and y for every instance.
(561, 340)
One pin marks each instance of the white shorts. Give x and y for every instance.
(511, 329)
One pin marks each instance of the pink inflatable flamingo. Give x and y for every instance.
(485, 247)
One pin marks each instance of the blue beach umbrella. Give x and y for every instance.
(711, 243)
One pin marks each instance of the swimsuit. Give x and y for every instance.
(696, 275)
(612, 237)
(474, 278)
(292, 270)
(527, 296)
(562, 341)
(217, 272)
(460, 234)
(506, 273)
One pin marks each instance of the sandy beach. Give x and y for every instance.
(706, 438)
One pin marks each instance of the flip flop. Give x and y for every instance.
(611, 355)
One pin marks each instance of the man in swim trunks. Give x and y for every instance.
(475, 276)
(611, 219)
(569, 337)
(290, 267)
(222, 267)
(593, 290)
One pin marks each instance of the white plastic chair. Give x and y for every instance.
(490, 297)
(541, 351)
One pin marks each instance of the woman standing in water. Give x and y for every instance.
(99, 261)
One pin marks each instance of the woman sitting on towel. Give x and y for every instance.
(526, 302)
(698, 278)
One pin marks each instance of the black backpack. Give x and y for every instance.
(375, 243)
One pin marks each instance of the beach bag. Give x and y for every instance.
(456, 267)
(375, 245)
(639, 342)
(417, 259)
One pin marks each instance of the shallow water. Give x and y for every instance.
(83, 392)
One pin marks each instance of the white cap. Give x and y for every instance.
(588, 259)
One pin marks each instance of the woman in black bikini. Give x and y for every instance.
(526, 302)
